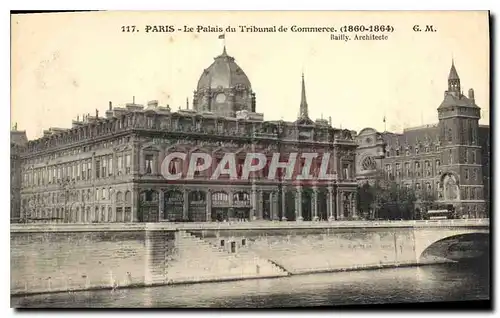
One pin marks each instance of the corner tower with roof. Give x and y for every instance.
(461, 182)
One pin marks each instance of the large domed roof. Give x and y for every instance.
(223, 73)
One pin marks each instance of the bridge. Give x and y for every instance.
(426, 232)
(143, 254)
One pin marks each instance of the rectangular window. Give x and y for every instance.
(417, 169)
(345, 171)
(466, 174)
(428, 168)
(120, 164)
(239, 168)
(84, 171)
(110, 166)
(89, 169)
(128, 214)
(98, 169)
(148, 162)
(127, 163)
(104, 171)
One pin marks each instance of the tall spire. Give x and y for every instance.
(453, 72)
(304, 112)
(453, 79)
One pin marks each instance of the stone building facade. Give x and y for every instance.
(109, 168)
(18, 141)
(449, 160)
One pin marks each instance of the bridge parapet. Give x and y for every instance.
(172, 226)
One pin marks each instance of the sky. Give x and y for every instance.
(68, 64)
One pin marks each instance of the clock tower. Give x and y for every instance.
(224, 89)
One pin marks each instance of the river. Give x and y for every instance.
(450, 282)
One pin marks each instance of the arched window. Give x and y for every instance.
(220, 197)
(128, 197)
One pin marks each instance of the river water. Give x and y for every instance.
(450, 282)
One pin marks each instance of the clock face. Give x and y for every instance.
(220, 98)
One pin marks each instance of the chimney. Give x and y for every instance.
(110, 105)
(471, 95)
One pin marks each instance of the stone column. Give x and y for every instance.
(260, 205)
(353, 205)
(283, 204)
(254, 208)
(209, 205)
(340, 214)
(93, 171)
(115, 164)
(185, 208)
(272, 198)
(134, 160)
(298, 204)
(161, 156)
(314, 203)
(330, 204)
(142, 169)
(134, 196)
(161, 204)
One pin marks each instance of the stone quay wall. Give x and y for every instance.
(64, 257)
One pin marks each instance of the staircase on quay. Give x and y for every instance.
(198, 260)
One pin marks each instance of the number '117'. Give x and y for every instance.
(128, 28)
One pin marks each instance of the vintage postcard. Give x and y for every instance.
(233, 159)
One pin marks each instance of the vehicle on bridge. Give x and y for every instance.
(438, 215)
(441, 213)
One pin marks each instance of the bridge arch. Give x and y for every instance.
(457, 247)
(432, 244)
